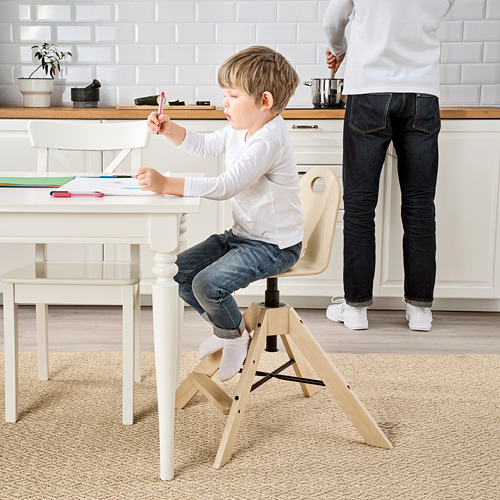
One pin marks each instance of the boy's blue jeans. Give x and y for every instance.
(412, 122)
(212, 270)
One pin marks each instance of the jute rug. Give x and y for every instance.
(442, 414)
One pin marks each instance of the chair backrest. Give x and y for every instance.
(320, 217)
(56, 135)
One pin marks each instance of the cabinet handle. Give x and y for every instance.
(304, 126)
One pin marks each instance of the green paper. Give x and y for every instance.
(34, 181)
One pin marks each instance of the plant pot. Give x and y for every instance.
(36, 91)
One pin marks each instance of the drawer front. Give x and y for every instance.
(316, 141)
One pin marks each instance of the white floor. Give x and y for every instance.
(99, 329)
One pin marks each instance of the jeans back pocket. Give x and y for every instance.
(368, 112)
(427, 117)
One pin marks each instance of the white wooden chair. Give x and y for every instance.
(272, 318)
(77, 283)
(53, 136)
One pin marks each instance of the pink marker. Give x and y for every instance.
(68, 194)
(160, 109)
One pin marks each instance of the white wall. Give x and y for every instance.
(141, 47)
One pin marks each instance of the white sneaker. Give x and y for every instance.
(354, 318)
(419, 318)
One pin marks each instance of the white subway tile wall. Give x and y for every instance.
(143, 47)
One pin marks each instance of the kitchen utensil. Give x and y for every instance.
(87, 97)
(326, 92)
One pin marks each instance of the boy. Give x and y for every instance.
(262, 182)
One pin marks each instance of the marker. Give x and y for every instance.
(118, 176)
(160, 109)
(68, 194)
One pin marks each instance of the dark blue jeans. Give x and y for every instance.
(412, 123)
(212, 270)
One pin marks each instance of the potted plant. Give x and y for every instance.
(36, 91)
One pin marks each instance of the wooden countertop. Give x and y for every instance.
(110, 113)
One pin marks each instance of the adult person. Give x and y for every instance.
(392, 85)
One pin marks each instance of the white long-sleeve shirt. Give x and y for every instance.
(393, 44)
(261, 179)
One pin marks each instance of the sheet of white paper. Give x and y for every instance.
(121, 186)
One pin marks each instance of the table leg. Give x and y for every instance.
(182, 247)
(165, 326)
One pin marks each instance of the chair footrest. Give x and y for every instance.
(212, 392)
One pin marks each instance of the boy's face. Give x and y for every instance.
(241, 111)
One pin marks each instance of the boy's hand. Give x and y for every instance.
(151, 180)
(157, 123)
(166, 127)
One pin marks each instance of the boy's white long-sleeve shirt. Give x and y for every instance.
(261, 179)
(393, 44)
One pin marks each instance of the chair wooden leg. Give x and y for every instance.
(251, 316)
(300, 366)
(187, 390)
(11, 352)
(336, 384)
(133, 254)
(42, 341)
(242, 392)
(128, 355)
(137, 334)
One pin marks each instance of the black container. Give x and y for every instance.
(87, 97)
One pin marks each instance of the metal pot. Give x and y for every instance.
(326, 92)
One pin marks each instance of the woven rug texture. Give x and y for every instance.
(441, 413)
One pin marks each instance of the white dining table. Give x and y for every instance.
(31, 215)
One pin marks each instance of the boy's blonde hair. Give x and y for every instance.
(259, 69)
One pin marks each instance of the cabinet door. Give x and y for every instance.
(467, 209)
(17, 153)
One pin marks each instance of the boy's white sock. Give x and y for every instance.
(209, 346)
(234, 353)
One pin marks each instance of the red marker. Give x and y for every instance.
(68, 194)
(160, 109)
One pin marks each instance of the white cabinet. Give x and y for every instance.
(467, 208)
(467, 215)
(468, 219)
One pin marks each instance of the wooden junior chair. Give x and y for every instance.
(47, 282)
(272, 318)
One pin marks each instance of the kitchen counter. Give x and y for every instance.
(112, 113)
